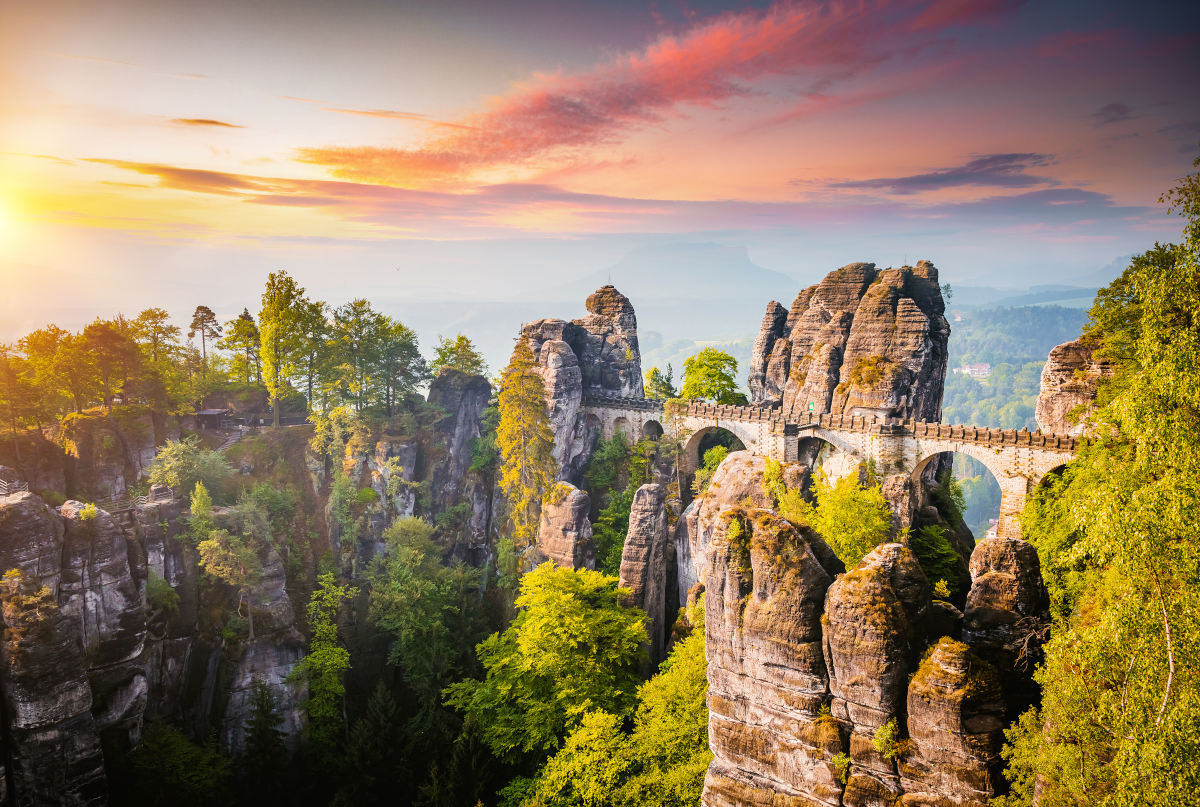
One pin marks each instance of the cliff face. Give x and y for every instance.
(863, 339)
(807, 663)
(1069, 381)
(595, 355)
(87, 660)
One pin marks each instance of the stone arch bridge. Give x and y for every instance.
(1018, 459)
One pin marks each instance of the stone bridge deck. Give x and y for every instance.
(1019, 459)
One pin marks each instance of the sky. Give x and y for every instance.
(173, 153)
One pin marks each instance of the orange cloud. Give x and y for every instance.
(204, 122)
(555, 115)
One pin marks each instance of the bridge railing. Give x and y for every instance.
(9, 488)
(120, 503)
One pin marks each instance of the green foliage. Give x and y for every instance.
(610, 529)
(160, 596)
(326, 663)
(200, 520)
(1005, 400)
(166, 770)
(526, 444)
(375, 750)
(941, 590)
(1121, 679)
(938, 559)
(711, 375)
(661, 762)
(89, 512)
(659, 385)
(573, 649)
(459, 354)
(609, 460)
(485, 455)
(277, 501)
(234, 560)
(704, 474)
(887, 739)
(180, 464)
(264, 761)
(841, 766)
(852, 519)
(430, 612)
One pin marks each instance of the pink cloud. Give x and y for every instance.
(555, 115)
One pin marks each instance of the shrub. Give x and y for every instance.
(90, 512)
(712, 458)
(160, 596)
(938, 559)
(841, 766)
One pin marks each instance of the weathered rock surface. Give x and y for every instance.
(766, 672)
(1069, 381)
(1006, 613)
(789, 633)
(463, 397)
(737, 482)
(956, 727)
(863, 340)
(565, 533)
(52, 740)
(645, 565)
(595, 355)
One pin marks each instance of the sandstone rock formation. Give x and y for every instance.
(863, 340)
(565, 533)
(645, 565)
(736, 483)
(595, 355)
(1006, 614)
(810, 664)
(1069, 382)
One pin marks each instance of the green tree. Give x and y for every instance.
(264, 762)
(430, 612)
(526, 444)
(326, 664)
(398, 363)
(313, 327)
(712, 376)
(572, 649)
(356, 337)
(205, 325)
(704, 474)
(376, 754)
(851, 518)
(280, 335)
(243, 340)
(153, 331)
(167, 770)
(660, 763)
(1117, 538)
(234, 560)
(114, 352)
(41, 348)
(459, 354)
(181, 464)
(661, 386)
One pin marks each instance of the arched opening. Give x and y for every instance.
(704, 440)
(621, 425)
(1051, 477)
(652, 429)
(962, 491)
(814, 453)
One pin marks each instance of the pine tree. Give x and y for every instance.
(526, 444)
(375, 753)
(242, 339)
(265, 759)
(204, 325)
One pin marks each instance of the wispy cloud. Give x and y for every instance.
(989, 170)
(118, 63)
(390, 114)
(1115, 112)
(704, 66)
(205, 122)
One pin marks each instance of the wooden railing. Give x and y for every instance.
(9, 488)
(121, 503)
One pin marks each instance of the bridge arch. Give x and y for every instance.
(703, 439)
(652, 429)
(979, 484)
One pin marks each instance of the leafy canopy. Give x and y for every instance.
(572, 649)
(711, 375)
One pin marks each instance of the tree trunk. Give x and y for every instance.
(274, 412)
(250, 614)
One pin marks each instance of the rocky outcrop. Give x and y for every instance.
(823, 687)
(1006, 614)
(956, 729)
(1069, 383)
(462, 397)
(736, 483)
(862, 341)
(595, 355)
(645, 565)
(108, 452)
(565, 533)
(52, 740)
